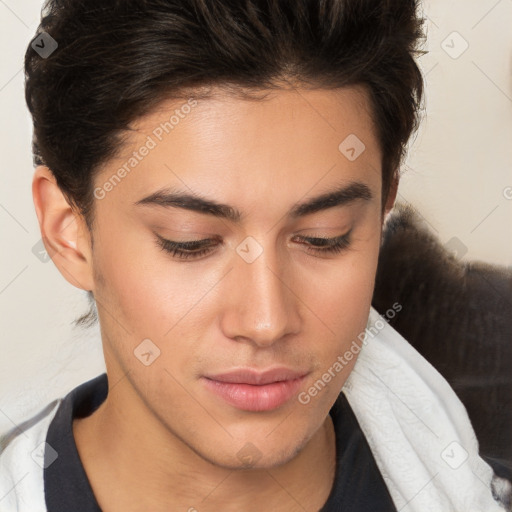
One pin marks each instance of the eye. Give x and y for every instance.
(188, 249)
(326, 245)
(192, 249)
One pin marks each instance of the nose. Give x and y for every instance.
(262, 307)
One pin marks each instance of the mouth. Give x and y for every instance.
(256, 390)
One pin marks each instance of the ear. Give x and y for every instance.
(64, 232)
(393, 191)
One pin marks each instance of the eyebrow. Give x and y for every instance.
(342, 196)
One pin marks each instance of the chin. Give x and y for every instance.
(255, 455)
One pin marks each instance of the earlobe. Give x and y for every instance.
(63, 230)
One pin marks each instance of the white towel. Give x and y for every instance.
(418, 429)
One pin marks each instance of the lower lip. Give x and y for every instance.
(249, 397)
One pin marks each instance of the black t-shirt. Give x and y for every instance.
(358, 484)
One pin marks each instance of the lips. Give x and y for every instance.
(256, 390)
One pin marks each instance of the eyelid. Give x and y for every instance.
(191, 244)
(194, 249)
(205, 241)
(191, 249)
(324, 240)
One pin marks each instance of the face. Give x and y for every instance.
(234, 262)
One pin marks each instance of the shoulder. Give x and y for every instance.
(24, 454)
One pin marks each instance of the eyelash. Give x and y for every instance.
(196, 248)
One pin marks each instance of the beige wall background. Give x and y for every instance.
(458, 175)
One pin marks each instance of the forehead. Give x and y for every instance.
(322, 110)
(241, 149)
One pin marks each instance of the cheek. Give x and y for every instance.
(142, 286)
(335, 342)
(340, 301)
(150, 295)
(342, 295)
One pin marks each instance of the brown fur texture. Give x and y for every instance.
(458, 315)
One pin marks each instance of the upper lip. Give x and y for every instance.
(257, 377)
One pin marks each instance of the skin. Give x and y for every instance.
(161, 436)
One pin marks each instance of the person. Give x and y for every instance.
(216, 175)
